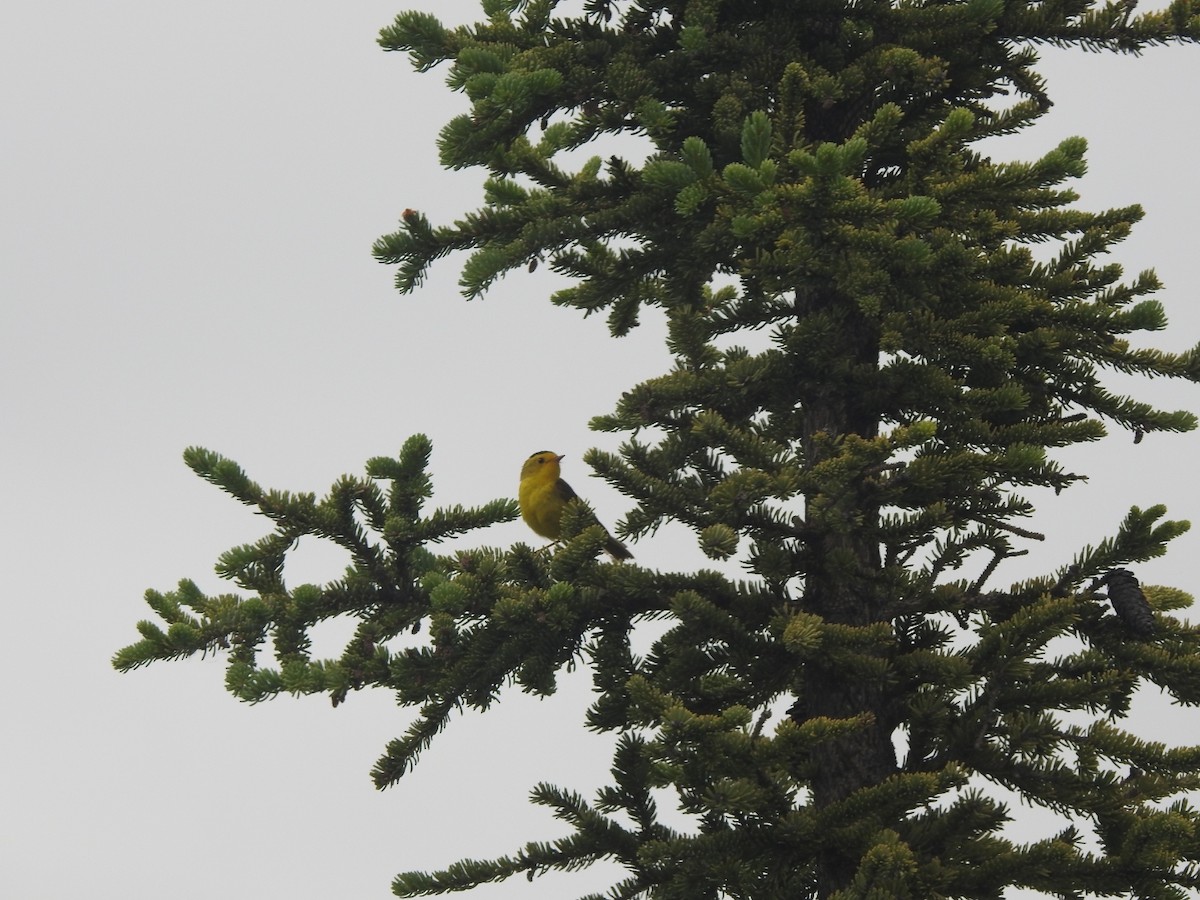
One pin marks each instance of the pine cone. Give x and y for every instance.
(1129, 602)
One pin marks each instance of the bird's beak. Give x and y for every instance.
(559, 457)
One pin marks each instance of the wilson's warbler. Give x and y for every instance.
(544, 495)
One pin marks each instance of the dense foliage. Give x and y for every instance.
(811, 174)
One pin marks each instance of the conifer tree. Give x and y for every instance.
(831, 724)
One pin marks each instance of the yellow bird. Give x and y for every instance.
(544, 495)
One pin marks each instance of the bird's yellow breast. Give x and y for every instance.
(540, 499)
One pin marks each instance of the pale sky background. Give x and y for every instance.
(189, 198)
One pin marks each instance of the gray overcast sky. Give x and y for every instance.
(189, 198)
